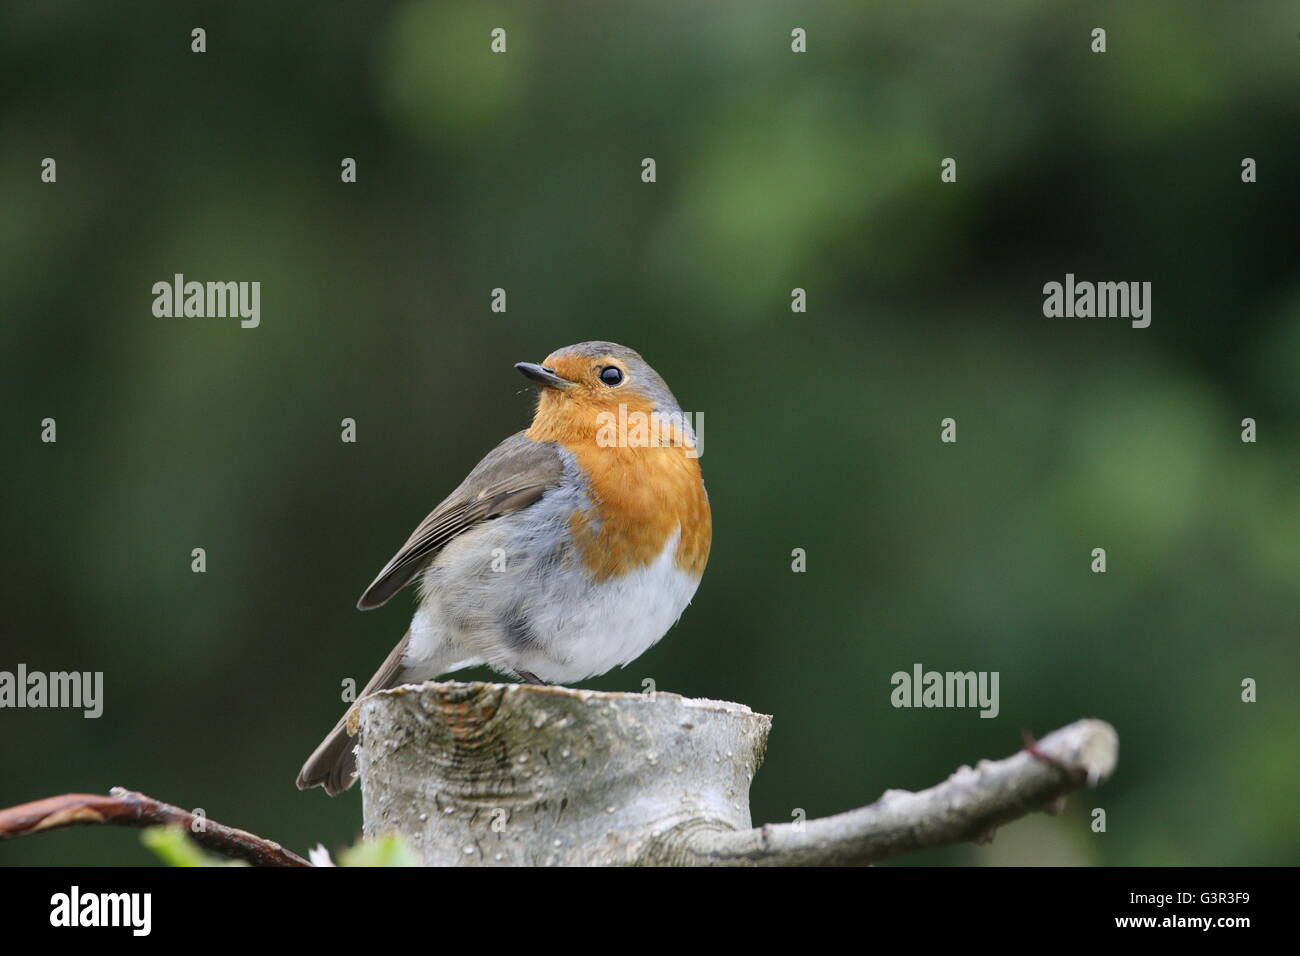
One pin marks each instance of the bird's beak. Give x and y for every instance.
(542, 375)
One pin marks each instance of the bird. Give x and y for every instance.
(570, 549)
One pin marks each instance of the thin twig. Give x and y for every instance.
(969, 805)
(130, 809)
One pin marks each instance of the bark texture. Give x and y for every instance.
(517, 774)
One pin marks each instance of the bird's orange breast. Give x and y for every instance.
(641, 495)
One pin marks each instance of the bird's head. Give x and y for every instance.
(580, 382)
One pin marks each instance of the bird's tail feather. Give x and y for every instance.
(333, 764)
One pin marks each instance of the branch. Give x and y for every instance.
(126, 808)
(967, 806)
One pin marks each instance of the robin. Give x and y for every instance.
(569, 550)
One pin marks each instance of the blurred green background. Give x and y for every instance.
(775, 170)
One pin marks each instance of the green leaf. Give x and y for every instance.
(175, 847)
(387, 850)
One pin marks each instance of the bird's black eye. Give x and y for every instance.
(611, 375)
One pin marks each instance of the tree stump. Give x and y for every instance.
(521, 775)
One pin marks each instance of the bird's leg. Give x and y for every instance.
(528, 678)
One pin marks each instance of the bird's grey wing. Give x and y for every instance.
(514, 475)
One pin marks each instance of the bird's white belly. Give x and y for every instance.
(538, 608)
(586, 628)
